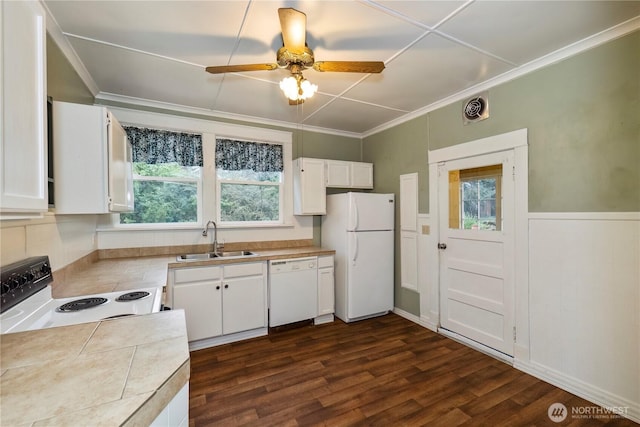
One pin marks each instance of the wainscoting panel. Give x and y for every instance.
(584, 305)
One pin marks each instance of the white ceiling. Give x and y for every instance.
(156, 51)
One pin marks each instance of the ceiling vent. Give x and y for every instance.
(475, 109)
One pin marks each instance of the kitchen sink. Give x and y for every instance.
(210, 255)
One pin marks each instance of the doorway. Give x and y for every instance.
(476, 242)
(477, 288)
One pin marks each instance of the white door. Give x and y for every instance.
(476, 246)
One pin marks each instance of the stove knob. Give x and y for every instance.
(29, 277)
(45, 268)
(5, 288)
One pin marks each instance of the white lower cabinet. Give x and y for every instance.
(326, 286)
(244, 301)
(221, 300)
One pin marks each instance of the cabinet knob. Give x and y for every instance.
(226, 286)
(218, 287)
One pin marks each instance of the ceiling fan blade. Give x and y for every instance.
(240, 68)
(294, 29)
(350, 66)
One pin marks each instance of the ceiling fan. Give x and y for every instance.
(296, 56)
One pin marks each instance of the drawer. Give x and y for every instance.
(325, 261)
(197, 274)
(244, 269)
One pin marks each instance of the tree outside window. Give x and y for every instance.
(164, 193)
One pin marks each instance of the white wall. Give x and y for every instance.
(65, 238)
(584, 305)
(112, 239)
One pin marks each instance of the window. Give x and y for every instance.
(249, 178)
(165, 193)
(167, 177)
(475, 198)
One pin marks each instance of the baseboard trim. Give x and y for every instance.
(581, 389)
(477, 346)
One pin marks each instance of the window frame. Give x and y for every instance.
(244, 224)
(211, 130)
(164, 225)
(476, 174)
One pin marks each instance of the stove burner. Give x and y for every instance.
(132, 296)
(82, 304)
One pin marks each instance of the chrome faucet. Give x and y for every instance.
(215, 234)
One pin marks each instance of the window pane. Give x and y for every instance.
(475, 198)
(246, 202)
(469, 190)
(249, 175)
(163, 202)
(487, 188)
(166, 170)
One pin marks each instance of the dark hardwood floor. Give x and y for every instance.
(385, 371)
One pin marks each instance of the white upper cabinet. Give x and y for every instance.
(338, 173)
(309, 192)
(92, 161)
(313, 176)
(343, 174)
(23, 150)
(361, 175)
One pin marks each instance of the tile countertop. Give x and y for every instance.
(261, 255)
(116, 372)
(122, 274)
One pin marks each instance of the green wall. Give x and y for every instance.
(583, 121)
(63, 83)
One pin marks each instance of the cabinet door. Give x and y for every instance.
(23, 152)
(409, 260)
(120, 168)
(338, 173)
(202, 305)
(325, 291)
(409, 202)
(244, 304)
(309, 191)
(361, 175)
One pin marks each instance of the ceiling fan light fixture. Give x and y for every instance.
(298, 88)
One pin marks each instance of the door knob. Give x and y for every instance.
(442, 246)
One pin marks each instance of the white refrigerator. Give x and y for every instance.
(359, 226)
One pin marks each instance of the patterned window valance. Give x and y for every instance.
(154, 146)
(242, 155)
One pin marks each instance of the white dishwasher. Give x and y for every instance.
(293, 290)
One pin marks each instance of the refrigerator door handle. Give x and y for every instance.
(355, 251)
(353, 215)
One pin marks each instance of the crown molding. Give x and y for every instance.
(106, 98)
